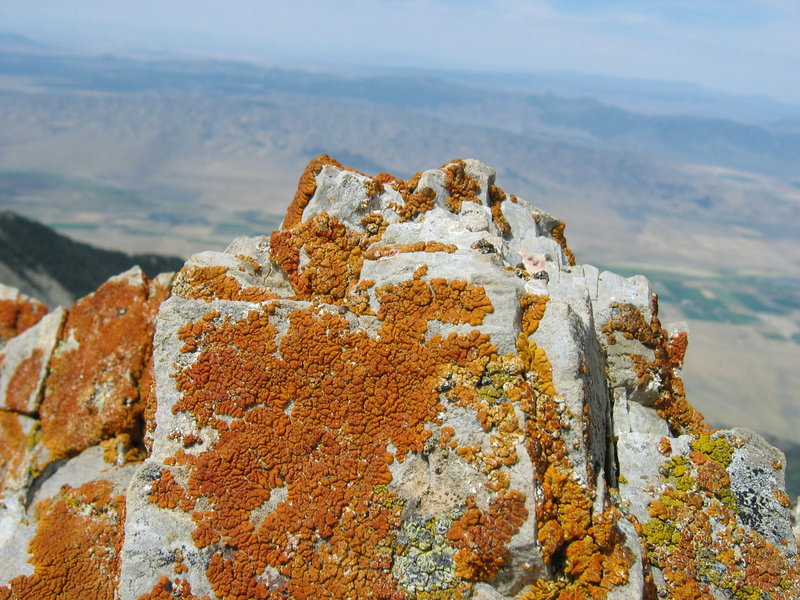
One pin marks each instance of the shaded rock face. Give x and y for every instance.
(409, 391)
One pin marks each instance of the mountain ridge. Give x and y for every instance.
(57, 270)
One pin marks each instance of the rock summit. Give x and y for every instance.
(410, 390)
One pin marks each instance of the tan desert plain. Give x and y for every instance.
(127, 159)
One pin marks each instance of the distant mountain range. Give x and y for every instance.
(769, 145)
(57, 270)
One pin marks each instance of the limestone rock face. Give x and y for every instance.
(408, 391)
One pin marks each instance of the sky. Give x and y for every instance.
(739, 46)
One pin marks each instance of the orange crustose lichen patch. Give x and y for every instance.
(12, 448)
(415, 203)
(91, 391)
(18, 315)
(496, 198)
(76, 547)
(431, 246)
(695, 527)
(166, 493)
(305, 189)
(122, 449)
(671, 404)
(147, 385)
(545, 445)
(214, 283)
(334, 257)
(594, 557)
(251, 263)
(334, 401)
(558, 236)
(147, 395)
(588, 545)
(405, 187)
(24, 382)
(462, 187)
(167, 589)
(482, 536)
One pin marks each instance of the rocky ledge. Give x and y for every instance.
(408, 391)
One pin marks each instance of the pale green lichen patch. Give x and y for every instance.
(423, 558)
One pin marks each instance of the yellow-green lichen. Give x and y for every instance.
(671, 500)
(720, 449)
(661, 533)
(728, 498)
(748, 592)
(677, 472)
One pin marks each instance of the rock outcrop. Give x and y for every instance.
(408, 391)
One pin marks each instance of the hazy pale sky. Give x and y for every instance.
(742, 46)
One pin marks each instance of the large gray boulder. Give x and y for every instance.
(412, 391)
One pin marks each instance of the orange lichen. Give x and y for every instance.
(403, 186)
(430, 246)
(18, 315)
(24, 383)
(214, 283)
(482, 536)
(533, 307)
(643, 369)
(782, 498)
(76, 546)
(415, 203)
(334, 256)
(305, 189)
(676, 350)
(334, 400)
(167, 589)
(122, 449)
(166, 493)
(697, 541)
(496, 198)
(668, 358)
(461, 187)
(373, 187)
(545, 444)
(91, 391)
(591, 546)
(544, 589)
(147, 393)
(158, 293)
(12, 448)
(483, 386)
(251, 263)
(564, 514)
(558, 235)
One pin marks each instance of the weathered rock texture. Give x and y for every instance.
(409, 391)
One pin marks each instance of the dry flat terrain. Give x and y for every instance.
(178, 157)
